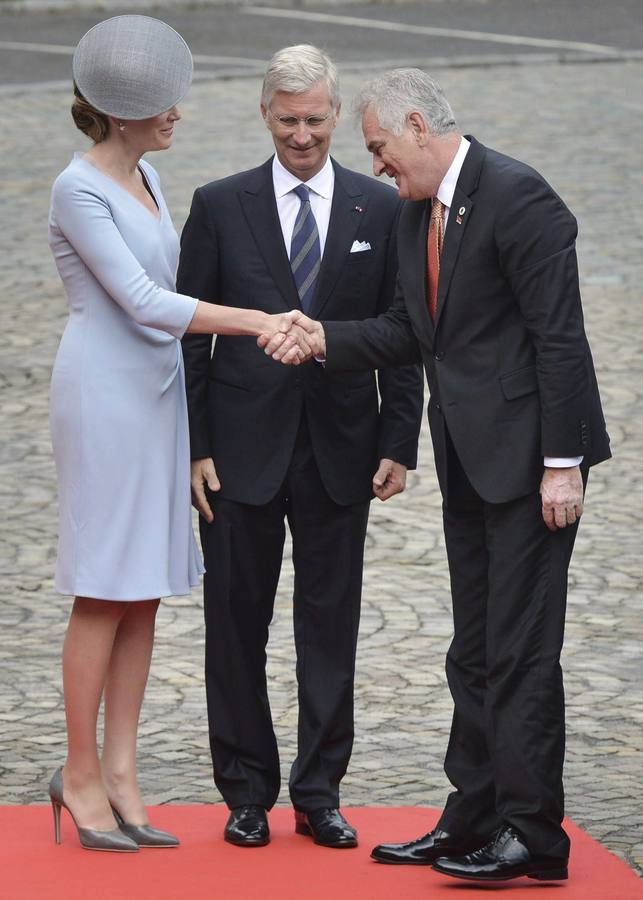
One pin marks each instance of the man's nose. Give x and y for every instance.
(378, 166)
(302, 132)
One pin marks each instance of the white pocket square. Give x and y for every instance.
(360, 246)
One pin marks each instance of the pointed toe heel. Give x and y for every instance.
(145, 835)
(114, 841)
(90, 839)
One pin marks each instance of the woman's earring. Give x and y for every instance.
(121, 126)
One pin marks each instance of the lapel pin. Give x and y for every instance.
(458, 220)
(358, 209)
(461, 211)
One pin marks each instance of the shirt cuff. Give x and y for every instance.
(562, 462)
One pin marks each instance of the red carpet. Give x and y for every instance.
(290, 868)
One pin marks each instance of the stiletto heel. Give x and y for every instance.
(56, 811)
(145, 835)
(89, 838)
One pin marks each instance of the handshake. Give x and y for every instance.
(293, 339)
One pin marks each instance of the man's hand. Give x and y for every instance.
(203, 472)
(304, 340)
(275, 330)
(389, 479)
(561, 491)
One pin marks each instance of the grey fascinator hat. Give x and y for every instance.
(132, 67)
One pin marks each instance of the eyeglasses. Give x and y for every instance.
(313, 123)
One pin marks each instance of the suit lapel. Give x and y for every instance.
(421, 233)
(260, 209)
(459, 215)
(412, 252)
(347, 208)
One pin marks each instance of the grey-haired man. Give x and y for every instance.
(488, 299)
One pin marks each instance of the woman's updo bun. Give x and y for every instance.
(90, 121)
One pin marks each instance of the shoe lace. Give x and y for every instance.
(417, 841)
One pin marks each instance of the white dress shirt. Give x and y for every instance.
(445, 195)
(450, 180)
(321, 198)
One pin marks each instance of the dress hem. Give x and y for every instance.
(110, 598)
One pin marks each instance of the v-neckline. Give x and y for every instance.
(148, 187)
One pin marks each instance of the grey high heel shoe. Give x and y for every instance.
(89, 838)
(145, 835)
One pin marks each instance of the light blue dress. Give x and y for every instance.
(118, 408)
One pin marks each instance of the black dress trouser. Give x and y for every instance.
(243, 550)
(509, 588)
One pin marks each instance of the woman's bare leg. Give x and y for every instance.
(87, 651)
(124, 688)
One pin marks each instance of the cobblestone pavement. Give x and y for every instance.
(582, 126)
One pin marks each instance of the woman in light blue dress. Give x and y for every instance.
(118, 414)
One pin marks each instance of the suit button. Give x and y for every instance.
(439, 355)
(438, 407)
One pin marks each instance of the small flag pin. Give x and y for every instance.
(358, 209)
(458, 220)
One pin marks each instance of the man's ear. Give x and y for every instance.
(264, 113)
(417, 125)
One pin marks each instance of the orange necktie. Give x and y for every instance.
(436, 236)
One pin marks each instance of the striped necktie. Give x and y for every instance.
(305, 255)
(434, 249)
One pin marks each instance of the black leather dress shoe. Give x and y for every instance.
(327, 827)
(425, 850)
(504, 857)
(247, 826)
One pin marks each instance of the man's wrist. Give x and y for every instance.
(562, 462)
(322, 341)
(320, 353)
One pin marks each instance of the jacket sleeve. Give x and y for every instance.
(83, 217)
(536, 240)
(198, 273)
(386, 340)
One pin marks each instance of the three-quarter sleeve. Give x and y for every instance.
(85, 219)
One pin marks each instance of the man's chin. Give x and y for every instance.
(303, 160)
(304, 164)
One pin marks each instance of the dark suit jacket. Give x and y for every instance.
(508, 364)
(244, 408)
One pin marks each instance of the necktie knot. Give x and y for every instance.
(302, 192)
(437, 208)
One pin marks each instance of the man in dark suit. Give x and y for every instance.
(269, 443)
(493, 311)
